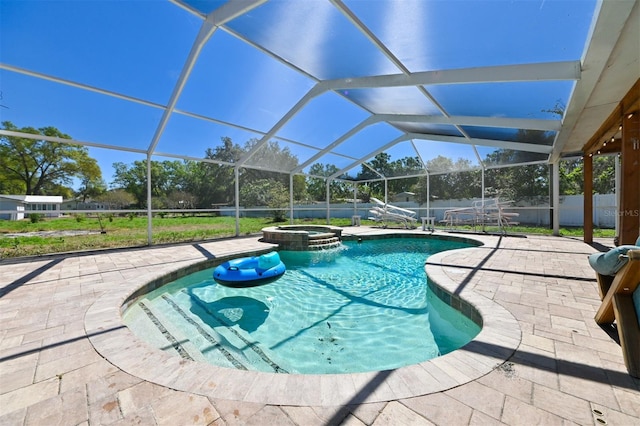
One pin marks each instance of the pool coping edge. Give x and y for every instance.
(498, 339)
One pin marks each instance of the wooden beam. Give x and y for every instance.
(608, 129)
(612, 147)
(629, 104)
(629, 208)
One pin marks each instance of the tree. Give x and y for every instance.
(521, 180)
(572, 175)
(317, 187)
(272, 155)
(571, 182)
(209, 182)
(383, 166)
(91, 183)
(278, 201)
(518, 182)
(405, 166)
(380, 164)
(39, 167)
(300, 188)
(212, 183)
(460, 181)
(181, 200)
(604, 172)
(166, 177)
(116, 199)
(266, 192)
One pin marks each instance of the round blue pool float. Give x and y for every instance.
(250, 271)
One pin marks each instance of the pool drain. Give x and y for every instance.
(599, 413)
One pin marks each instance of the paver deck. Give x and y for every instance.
(66, 358)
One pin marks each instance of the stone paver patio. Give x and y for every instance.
(66, 358)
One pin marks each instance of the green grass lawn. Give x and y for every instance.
(118, 232)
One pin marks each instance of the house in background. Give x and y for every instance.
(16, 207)
(404, 197)
(78, 204)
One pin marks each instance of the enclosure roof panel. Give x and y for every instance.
(324, 80)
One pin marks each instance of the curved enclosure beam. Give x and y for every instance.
(216, 18)
(548, 71)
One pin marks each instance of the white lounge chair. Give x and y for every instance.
(384, 212)
(481, 213)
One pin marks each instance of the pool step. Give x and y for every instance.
(238, 339)
(320, 241)
(212, 342)
(175, 341)
(139, 322)
(323, 242)
(303, 237)
(210, 336)
(162, 322)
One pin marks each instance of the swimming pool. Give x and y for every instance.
(362, 307)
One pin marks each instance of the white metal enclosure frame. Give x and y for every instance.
(593, 70)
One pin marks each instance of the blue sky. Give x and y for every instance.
(138, 48)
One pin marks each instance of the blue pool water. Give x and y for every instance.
(361, 307)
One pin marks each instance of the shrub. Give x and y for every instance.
(36, 217)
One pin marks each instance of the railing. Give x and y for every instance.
(482, 213)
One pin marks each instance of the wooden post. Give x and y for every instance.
(625, 119)
(629, 209)
(588, 198)
(555, 197)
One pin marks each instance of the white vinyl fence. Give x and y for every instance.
(530, 213)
